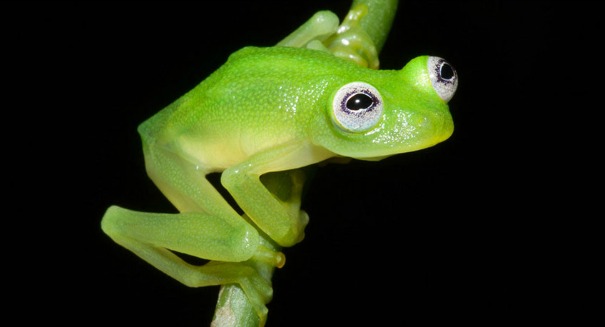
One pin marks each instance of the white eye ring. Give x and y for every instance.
(357, 107)
(443, 77)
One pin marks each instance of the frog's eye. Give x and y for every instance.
(357, 107)
(443, 77)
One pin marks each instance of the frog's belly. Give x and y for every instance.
(219, 153)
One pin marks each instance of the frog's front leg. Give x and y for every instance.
(318, 28)
(351, 41)
(359, 38)
(283, 221)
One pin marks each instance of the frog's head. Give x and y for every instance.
(391, 112)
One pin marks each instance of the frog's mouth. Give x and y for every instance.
(407, 133)
(399, 130)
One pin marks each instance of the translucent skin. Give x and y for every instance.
(259, 120)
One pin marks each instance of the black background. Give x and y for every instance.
(497, 226)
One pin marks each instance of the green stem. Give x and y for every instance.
(233, 307)
(377, 22)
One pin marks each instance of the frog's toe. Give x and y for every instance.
(304, 219)
(259, 292)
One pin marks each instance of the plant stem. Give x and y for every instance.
(233, 307)
(377, 23)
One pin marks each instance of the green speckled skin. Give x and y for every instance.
(290, 90)
(259, 121)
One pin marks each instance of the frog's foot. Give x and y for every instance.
(352, 42)
(314, 31)
(257, 288)
(269, 257)
(293, 204)
(295, 231)
(300, 225)
(294, 234)
(287, 188)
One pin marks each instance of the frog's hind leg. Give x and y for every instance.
(206, 227)
(154, 236)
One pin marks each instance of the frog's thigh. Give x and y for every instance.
(183, 181)
(152, 236)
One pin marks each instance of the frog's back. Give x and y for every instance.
(252, 77)
(259, 98)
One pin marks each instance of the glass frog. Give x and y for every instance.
(258, 121)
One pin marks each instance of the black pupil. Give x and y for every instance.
(447, 71)
(359, 101)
